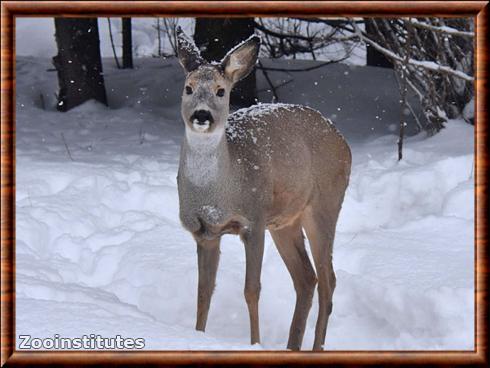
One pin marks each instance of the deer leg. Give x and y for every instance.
(254, 251)
(320, 230)
(207, 259)
(291, 247)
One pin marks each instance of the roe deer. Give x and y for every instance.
(271, 166)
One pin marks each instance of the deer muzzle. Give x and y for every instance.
(202, 120)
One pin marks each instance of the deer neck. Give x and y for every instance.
(205, 157)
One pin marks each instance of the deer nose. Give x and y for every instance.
(201, 116)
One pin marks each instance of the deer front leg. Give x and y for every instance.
(207, 259)
(253, 239)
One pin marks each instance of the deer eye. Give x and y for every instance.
(221, 92)
(188, 90)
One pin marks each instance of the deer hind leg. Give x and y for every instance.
(207, 259)
(253, 239)
(319, 224)
(290, 244)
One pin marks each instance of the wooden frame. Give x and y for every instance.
(12, 9)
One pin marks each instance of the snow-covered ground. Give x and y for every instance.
(100, 249)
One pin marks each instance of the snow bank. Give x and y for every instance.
(427, 182)
(100, 248)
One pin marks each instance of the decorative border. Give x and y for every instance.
(12, 9)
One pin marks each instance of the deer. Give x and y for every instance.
(277, 167)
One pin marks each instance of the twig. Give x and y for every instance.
(171, 31)
(419, 124)
(415, 89)
(338, 23)
(403, 92)
(301, 69)
(112, 44)
(284, 35)
(266, 75)
(287, 38)
(66, 146)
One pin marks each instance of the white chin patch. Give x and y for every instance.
(200, 127)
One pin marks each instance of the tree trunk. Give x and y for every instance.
(78, 62)
(127, 43)
(215, 37)
(373, 56)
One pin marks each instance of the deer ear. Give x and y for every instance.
(240, 61)
(189, 55)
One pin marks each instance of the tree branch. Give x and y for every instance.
(429, 65)
(301, 69)
(444, 29)
(284, 35)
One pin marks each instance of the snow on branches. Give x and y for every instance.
(435, 55)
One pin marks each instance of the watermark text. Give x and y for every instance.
(85, 342)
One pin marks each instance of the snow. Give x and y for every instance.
(261, 109)
(187, 43)
(236, 127)
(212, 213)
(100, 248)
(431, 65)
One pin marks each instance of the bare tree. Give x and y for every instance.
(159, 37)
(160, 28)
(78, 62)
(438, 62)
(127, 43)
(291, 37)
(170, 26)
(167, 27)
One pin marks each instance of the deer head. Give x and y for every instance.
(206, 94)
